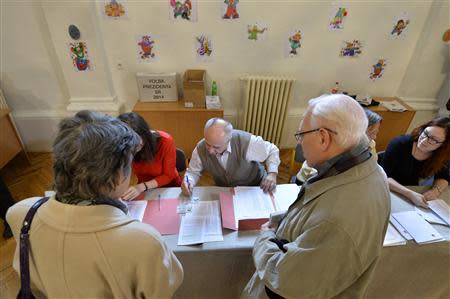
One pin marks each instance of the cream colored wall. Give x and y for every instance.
(41, 84)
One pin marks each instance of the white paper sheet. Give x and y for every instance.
(136, 208)
(441, 208)
(417, 227)
(285, 195)
(252, 203)
(429, 216)
(201, 225)
(400, 228)
(393, 237)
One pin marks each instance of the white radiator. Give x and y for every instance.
(265, 102)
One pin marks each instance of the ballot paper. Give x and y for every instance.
(441, 208)
(429, 216)
(417, 227)
(201, 225)
(252, 202)
(400, 228)
(136, 208)
(393, 237)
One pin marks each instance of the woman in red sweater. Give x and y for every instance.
(154, 164)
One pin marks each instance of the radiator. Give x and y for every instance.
(265, 102)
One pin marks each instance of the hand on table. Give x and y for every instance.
(133, 192)
(431, 194)
(269, 182)
(267, 227)
(418, 199)
(186, 189)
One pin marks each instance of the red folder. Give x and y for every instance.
(229, 219)
(162, 215)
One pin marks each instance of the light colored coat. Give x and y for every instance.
(335, 235)
(94, 252)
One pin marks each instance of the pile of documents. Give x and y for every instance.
(416, 225)
(394, 106)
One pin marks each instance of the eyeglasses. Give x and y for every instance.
(431, 139)
(299, 135)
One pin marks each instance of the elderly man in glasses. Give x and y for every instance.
(233, 158)
(329, 241)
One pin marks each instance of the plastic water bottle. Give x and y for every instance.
(214, 88)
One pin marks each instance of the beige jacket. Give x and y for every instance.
(335, 234)
(94, 252)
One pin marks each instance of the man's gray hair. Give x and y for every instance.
(227, 126)
(91, 152)
(342, 114)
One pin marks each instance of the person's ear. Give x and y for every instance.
(325, 139)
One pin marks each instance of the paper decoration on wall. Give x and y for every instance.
(337, 21)
(351, 49)
(230, 9)
(115, 9)
(183, 10)
(446, 36)
(400, 25)
(204, 48)
(79, 56)
(377, 69)
(145, 47)
(256, 32)
(293, 43)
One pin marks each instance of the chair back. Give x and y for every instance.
(380, 157)
(181, 160)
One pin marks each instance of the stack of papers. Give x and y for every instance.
(441, 209)
(394, 106)
(421, 231)
(201, 225)
(393, 238)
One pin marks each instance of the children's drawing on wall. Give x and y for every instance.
(400, 25)
(351, 49)
(294, 43)
(203, 46)
(338, 18)
(230, 9)
(145, 47)
(256, 31)
(115, 9)
(79, 56)
(377, 69)
(183, 10)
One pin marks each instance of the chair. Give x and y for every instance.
(380, 157)
(296, 157)
(181, 163)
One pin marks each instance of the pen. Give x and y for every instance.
(159, 202)
(189, 185)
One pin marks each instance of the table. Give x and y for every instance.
(186, 125)
(10, 143)
(222, 269)
(394, 123)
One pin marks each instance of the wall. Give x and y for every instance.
(42, 86)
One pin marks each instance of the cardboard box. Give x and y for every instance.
(194, 88)
(157, 87)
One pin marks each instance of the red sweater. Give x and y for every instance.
(162, 168)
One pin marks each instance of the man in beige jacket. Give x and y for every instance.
(329, 241)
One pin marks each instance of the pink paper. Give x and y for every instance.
(162, 215)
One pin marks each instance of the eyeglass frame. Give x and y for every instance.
(298, 135)
(430, 138)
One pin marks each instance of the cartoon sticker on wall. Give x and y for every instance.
(256, 31)
(351, 49)
(79, 56)
(377, 69)
(400, 25)
(183, 10)
(145, 48)
(115, 9)
(293, 43)
(339, 15)
(203, 47)
(230, 9)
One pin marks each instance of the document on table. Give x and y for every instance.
(136, 208)
(393, 237)
(201, 225)
(429, 216)
(285, 195)
(400, 228)
(252, 203)
(441, 208)
(417, 227)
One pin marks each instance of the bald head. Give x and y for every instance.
(217, 135)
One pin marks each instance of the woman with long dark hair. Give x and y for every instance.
(423, 155)
(155, 163)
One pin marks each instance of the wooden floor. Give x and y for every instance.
(27, 180)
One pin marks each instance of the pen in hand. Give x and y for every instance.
(159, 202)
(189, 186)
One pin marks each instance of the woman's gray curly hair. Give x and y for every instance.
(91, 152)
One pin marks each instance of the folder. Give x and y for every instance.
(162, 215)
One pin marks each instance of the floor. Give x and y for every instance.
(33, 179)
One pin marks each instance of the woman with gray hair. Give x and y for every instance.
(82, 242)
